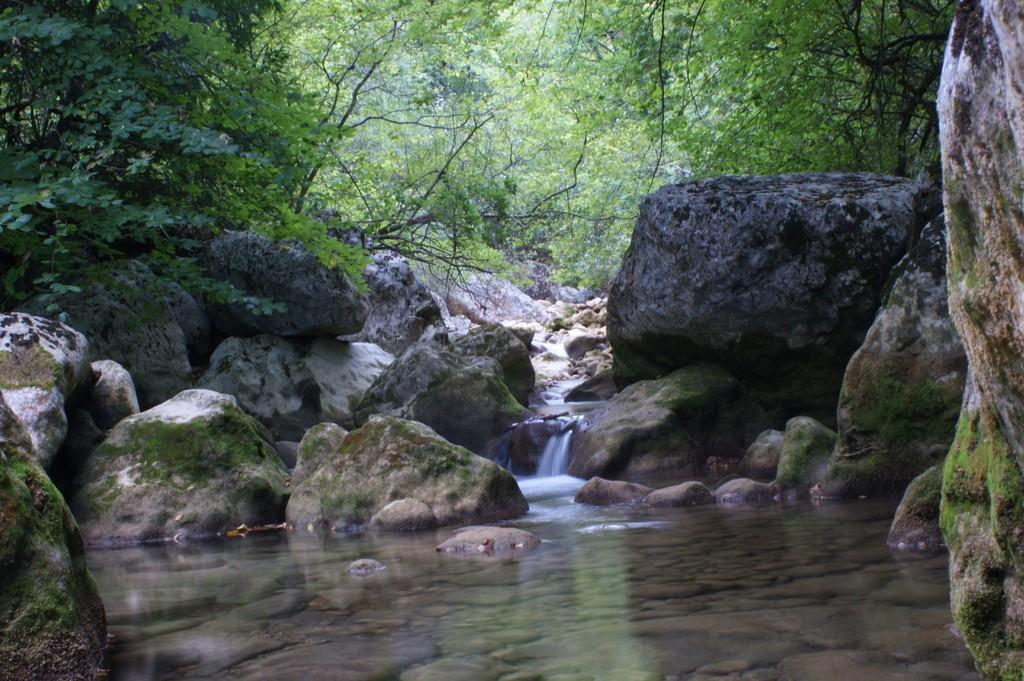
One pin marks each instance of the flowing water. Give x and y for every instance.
(797, 593)
(554, 460)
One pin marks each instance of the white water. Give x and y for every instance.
(554, 460)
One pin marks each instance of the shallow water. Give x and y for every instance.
(797, 593)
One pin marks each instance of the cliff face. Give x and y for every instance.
(981, 109)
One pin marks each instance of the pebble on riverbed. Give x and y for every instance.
(364, 567)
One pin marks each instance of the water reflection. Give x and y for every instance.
(779, 593)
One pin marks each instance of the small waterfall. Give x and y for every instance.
(554, 460)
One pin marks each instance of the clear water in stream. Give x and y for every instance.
(795, 593)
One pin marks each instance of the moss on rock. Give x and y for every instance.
(806, 448)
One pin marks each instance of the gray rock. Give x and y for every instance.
(493, 341)
(318, 300)
(42, 363)
(52, 624)
(188, 469)
(599, 387)
(486, 299)
(293, 384)
(391, 458)
(578, 344)
(762, 457)
(404, 515)
(430, 383)
(401, 308)
(916, 524)
(130, 319)
(746, 491)
(112, 397)
(288, 451)
(981, 116)
(489, 541)
(775, 278)
(364, 567)
(320, 444)
(690, 493)
(902, 389)
(668, 426)
(601, 492)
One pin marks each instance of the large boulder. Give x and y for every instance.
(291, 384)
(188, 469)
(486, 299)
(317, 300)
(903, 387)
(320, 444)
(401, 307)
(775, 278)
(135, 319)
(42, 363)
(502, 345)
(666, 426)
(916, 524)
(462, 396)
(390, 459)
(981, 115)
(52, 623)
(806, 448)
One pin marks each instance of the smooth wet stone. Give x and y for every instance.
(113, 395)
(916, 524)
(762, 457)
(746, 491)
(489, 540)
(690, 493)
(365, 567)
(404, 515)
(601, 492)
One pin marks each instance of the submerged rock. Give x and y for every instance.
(364, 567)
(669, 425)
(746, 491)
(981, 114)
(318, 300)
(775, 278)
(762, 457)
(806, 448)
(113, 396)
(191, 468)
(916, 525)
(601, 492)
(690, 493)
(52, 622)
(401, 308)
(293, 384)
(902, 389)
(391, 458)
(42, 363)
(489, 541)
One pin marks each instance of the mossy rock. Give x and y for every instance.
(806, 448)
(318, 445)
(389, 459)
(499, 343)
(664, 426)
(52, 622)
(188, 469)
(915, 526)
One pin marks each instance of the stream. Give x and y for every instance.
(795, 592)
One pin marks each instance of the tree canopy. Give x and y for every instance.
(465, 134)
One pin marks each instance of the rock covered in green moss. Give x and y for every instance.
(902, 389)
(390, 459)
(499, 343)
(462, 396)
(669, 425)
(320, 443)
(915, 526)
(292, 384)
(42, 363)
(806, 448)
(52, 622)
(981, 113)
(188, 469)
